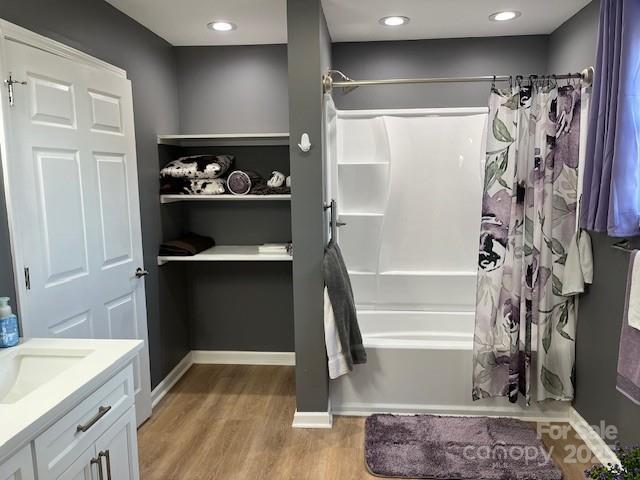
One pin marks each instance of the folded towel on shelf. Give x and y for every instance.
(628, 382)
(261, 188)
(274, 248)
(186, 246)
(343, 306)
(198, 166)
(190, 186)
(578, 267)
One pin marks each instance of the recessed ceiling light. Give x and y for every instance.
(220, 26)
(394, 21)
(504, 16)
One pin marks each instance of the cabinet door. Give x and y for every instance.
(83, 467)
(117, 449)
(18, 467)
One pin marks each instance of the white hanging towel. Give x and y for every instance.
(337, 362)
(578, 267)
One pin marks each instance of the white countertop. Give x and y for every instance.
(22, 421)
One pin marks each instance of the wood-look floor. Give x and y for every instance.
(234, 422)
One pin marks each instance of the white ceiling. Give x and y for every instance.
(184, 22)
(357, 20)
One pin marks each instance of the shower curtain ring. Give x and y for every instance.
(519, 80)
(493, 83)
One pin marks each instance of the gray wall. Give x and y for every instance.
(238, 89)
(309, 57)
(434, 58)
(571, 48)
(98, 29)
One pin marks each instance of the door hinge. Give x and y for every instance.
(10, 82)
(27, 278)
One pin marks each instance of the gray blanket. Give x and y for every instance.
(336, 278)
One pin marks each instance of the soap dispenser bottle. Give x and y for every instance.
(9, 336)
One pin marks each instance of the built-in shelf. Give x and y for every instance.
(230, 253)
(225, 139)
(225, 198)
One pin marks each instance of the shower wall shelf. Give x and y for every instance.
(229, 253)
(223, 198)
(225, 139)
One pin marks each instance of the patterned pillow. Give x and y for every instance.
(198, 166)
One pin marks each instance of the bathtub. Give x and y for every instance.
(421, 362)
(408, 185)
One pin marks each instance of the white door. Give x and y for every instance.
(73, 201)
(118, 449)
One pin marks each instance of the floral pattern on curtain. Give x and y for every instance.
(525, 328)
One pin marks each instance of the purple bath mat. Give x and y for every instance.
(456, 448)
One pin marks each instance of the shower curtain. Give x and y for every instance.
(525, 328)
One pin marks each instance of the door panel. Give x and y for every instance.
(61, 209)
(77, 326)
(114, 208)
(106, 112)
(52, 101)
(74, 195)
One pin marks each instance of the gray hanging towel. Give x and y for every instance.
(336, 279)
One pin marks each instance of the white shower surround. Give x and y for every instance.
(409, 186)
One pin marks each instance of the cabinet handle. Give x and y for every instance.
(98, 461)
(102, 411)
(107, 457)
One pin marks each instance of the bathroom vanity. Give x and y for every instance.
(67, 410)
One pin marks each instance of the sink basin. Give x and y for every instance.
(26, 370)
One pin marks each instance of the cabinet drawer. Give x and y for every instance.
(57, 448)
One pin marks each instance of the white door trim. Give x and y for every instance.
(11, 31)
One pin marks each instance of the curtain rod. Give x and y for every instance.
(348, 84)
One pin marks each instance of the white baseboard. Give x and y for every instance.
(312, 420)
(170, 380)
(243, 358)
(592, 439)
(558, 414)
